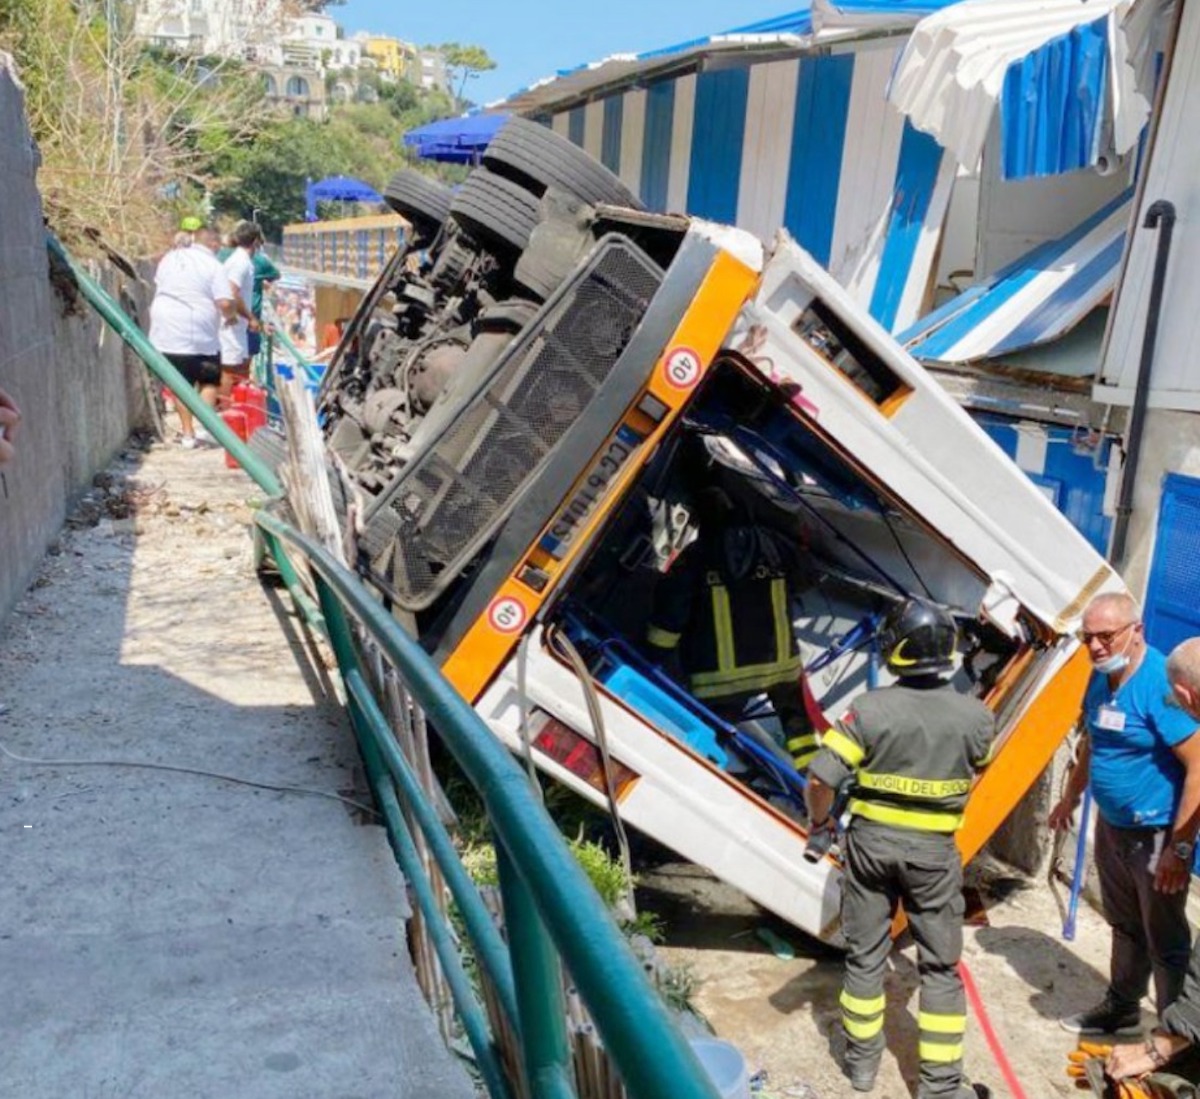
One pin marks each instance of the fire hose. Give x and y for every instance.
(989, 1033)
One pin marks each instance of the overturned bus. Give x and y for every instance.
(526, 415)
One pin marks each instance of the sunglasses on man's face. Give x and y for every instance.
(1105, 637)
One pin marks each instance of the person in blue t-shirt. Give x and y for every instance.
(1173, 1045)
(1143, 761)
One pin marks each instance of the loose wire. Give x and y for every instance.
(177, 769)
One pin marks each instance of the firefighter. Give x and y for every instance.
(723, 613)
(909, 752)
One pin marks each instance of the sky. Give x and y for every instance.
(531, 39)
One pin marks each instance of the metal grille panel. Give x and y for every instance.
(453, 497)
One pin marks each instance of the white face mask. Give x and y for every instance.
(1112, 665)
(1117, 662)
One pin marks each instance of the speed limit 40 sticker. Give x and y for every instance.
(507, 615)
(682, 368)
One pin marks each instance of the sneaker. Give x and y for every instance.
(188, 442)
(1105, 1018)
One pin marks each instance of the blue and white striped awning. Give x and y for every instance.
(1034, 300)
(806, 143)
(817, 22)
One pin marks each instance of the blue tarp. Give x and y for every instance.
(461, 140)
(337, 189)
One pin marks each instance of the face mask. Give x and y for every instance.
(1112, 665)
(1117, 663)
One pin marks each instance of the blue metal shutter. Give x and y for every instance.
(1173, 595)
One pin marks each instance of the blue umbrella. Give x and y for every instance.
(336, 189)
(460, 140)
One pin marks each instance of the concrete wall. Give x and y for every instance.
(78, 389)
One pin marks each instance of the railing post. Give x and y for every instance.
(291, 580)
(539, 983)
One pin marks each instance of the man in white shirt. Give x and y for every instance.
(239, 271)
(191, 296)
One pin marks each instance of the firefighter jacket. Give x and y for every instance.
(725, 606)
(912, 751)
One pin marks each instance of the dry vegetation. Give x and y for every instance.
(121, 130)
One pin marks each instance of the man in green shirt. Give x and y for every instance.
(265, 271)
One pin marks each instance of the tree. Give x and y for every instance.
(120, 128)
(400, 96)
(463, 63)
(270, 173)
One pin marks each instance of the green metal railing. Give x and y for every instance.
(551, 914)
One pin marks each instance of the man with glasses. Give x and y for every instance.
(1143, 762)
(1172, 1051)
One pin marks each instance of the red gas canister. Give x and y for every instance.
(235, 420)
(255, 409)
(251, 400)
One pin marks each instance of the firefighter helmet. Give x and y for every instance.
(918, 638)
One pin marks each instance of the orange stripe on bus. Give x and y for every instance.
(702, 331)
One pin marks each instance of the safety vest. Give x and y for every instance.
(914, 753)
(734, 633)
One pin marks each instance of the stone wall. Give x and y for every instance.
(79, 389)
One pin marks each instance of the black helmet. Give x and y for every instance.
(918, 638)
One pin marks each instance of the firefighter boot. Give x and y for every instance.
(862, 1075)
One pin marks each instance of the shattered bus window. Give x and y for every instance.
(827, 334)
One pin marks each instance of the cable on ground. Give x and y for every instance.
(176, 769)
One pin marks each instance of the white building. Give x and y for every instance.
(315, 41)
(250, 30)
(246, 29)
(431, 71)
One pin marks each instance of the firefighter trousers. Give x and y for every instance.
(886, 867)
(799, 736)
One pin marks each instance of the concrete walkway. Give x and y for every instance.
(167, 935)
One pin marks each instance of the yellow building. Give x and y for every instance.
(394, 57)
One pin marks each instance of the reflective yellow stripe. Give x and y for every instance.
(664, 639)
(987, 758)
(857, 1029)
(919, 819)
(939, 1053)
(873, 1006)
(723, 629)
(911, 787)
(783, 624)
(804, 749)
(752, 677)
(941, 1024)
(839, 743)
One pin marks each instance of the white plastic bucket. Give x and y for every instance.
(725, 1065)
